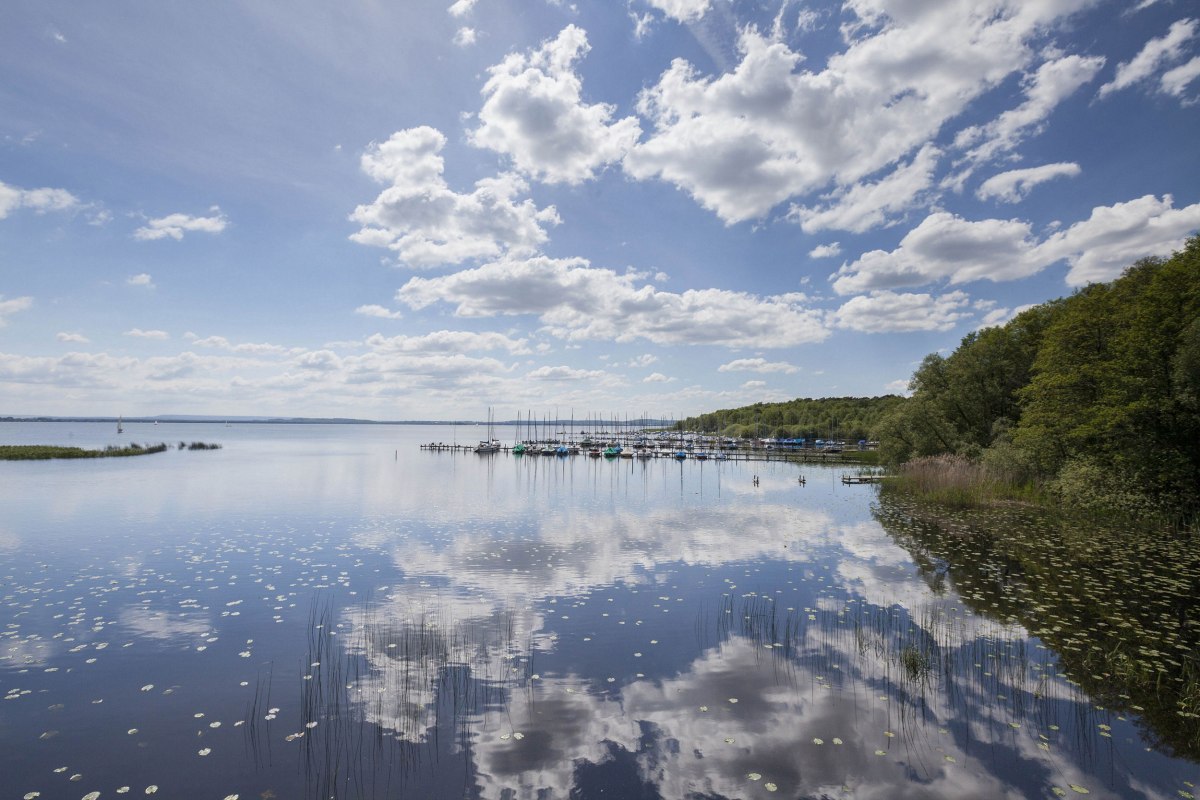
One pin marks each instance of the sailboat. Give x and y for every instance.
(491, 444)
(120, 428)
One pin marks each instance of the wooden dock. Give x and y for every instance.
(851, 479)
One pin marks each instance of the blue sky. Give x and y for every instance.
(666, 206)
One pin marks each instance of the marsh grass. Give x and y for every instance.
(959, 482)
(40, 452)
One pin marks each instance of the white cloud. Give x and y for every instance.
(757, 365)
(79, 338)
(138, 333)
(141, 279)
(945, 246)
(1012, 186)
(13, 306)
(464, 37)
(576, 301)
(564, 374)
(174, 226)
(1113, 237)
(373, 310)
(868, 205)
(460, 8)
(1053, 82)
(656, 377)
(1000, 316)
(534, 113)
(886, 312)
(426, 223)
(644, 360)
(642, 24)
(826, 250)
(745, 141)
(448, 342)
(40, 201)
(681, 10)
(221, 343)
(1175, 81)
(1152, 56)
(899, 386)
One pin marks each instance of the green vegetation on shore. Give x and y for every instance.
(41, 452)
(1090, 402)
(846, 418)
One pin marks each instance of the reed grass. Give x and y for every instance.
(959, 482)
(40, 452)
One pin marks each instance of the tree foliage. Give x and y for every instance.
(1096, 395)
(847, 418)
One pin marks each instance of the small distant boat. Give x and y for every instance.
(120, 427)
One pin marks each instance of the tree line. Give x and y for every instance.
(843, 418)
(1092, 398)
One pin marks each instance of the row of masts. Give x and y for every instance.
(597, 435)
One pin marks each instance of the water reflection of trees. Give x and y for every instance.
(1118, 607)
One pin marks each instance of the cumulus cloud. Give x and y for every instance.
(947, 247)
(40, 201)
(464, 37)
(174, 226)
(564, 374)
(138, 333)
(656, 377)
(534, 113)
(887, 312)
(78, 338)
(1113, 237)
(448, 342)
(13, 306)
(460, 8)
(999, 316)
(681, 10)
(428, 224)
(749, 139)
(644, 360)
(826, 250)
(757, 365)
(864, 206)
(141, 279)
(577, 301)
(373, 310)
(1012, 186)
(253, 348)
(1155, 54)
(1051, 84)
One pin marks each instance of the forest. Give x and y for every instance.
(1091, 401)
(842, 418)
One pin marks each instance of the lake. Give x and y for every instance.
(320, 611)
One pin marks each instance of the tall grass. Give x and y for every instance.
(959, 482)
(38, 452)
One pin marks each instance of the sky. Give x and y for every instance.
(425, 210)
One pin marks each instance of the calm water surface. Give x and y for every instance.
(328, 611)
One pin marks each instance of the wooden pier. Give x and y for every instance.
(850, 479)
